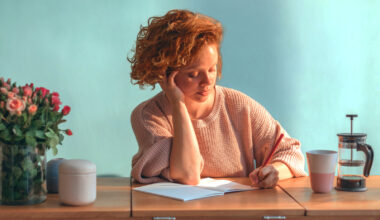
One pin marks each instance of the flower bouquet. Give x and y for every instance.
(28, 127)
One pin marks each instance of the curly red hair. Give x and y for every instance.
(170, 42)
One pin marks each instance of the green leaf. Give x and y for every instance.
(27, 165)
(31, 132)
(55, 150)
(43, 116)
(53, 141)
(30, 141)
(5, 135)
(50, 134)
(33, 173)
(16, 172)
(40, 134)
(18, 138)
(24, 117)
(37, 123)
(49, 124)
(2, 127)
(17, 131)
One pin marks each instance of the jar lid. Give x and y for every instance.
(77, 166)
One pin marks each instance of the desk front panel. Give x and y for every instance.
(112, 202)
(257, 203)
(335, 203)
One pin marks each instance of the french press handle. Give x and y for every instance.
(368, 151)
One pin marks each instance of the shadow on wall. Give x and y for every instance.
(254, 42)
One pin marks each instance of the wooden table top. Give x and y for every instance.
(273, 202)
(112, 201)
(335, 203)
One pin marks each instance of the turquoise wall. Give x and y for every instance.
(308, 62)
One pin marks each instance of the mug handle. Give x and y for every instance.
(368, 151)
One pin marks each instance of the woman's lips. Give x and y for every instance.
(203, 93)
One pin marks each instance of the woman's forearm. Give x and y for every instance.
(185, 158)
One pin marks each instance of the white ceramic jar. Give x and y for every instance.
(77, 182)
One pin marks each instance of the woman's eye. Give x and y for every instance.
(193, 75)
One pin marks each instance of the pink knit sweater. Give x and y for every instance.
(236, 133)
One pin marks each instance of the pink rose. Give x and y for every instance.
(55, 99)
(4, 90)
(11, 95)
(15, 105)
(15, 90)
(2, 104)
(32, 109)
(7, 86)
(27, 91)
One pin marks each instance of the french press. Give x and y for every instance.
(354, 160)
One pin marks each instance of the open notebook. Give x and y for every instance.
(206, 188)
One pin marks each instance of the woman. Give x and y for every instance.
(193, 128)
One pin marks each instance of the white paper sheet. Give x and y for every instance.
(206, 188)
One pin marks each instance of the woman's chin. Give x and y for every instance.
(201, 97)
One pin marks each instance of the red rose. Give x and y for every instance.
(56, 108)
(69, 132)
(44, 91)
(66, 110)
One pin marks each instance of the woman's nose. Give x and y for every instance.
(206, 79)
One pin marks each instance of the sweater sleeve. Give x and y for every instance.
(152, 131)
(266, 130)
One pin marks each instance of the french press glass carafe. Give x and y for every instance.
(354, 161)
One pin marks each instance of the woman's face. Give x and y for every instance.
(197, 79)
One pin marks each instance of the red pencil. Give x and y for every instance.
(273, 150)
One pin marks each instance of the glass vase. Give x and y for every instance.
(22, 174)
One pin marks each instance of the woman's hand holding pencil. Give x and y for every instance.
(266, 176)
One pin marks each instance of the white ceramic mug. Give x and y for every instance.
(322, 164)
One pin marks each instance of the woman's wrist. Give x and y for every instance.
(283, 170)
(178, 107)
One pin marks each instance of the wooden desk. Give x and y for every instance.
(112, 202)
(293, 198)
(237, 205)
(336, 204)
